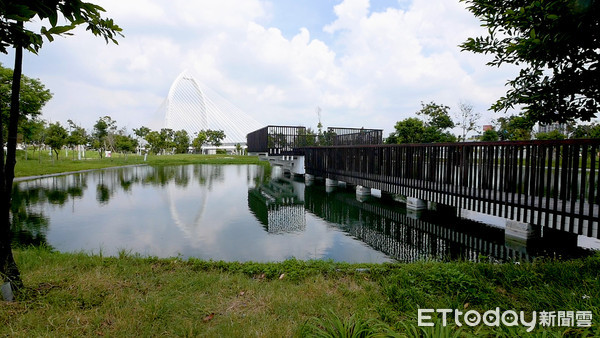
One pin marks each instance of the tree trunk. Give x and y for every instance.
(8, 268)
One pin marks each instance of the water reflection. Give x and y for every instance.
(234, 213)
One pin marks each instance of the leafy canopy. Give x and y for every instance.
(73, 12)
(557, 42)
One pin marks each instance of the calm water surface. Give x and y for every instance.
(238, 213)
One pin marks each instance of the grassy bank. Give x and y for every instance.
(35, 165)
(79, 294)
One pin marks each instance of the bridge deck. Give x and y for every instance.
(553, 184)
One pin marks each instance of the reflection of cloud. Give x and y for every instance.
(165, 219)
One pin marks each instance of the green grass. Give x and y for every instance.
(36, 165)
(83, 295)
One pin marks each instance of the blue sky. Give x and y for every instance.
(364, 63)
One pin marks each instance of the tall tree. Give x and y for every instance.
(215, 137)
(103, 134)
(467, 119)
(56, 137)
(32, 98)
(77, 137)
(199, 140)
(13, 34)
(182, 141)
(558, 44)
(514, 128)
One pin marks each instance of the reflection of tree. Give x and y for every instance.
(102, 193)
(29, 226)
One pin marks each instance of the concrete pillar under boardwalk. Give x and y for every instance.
(413, 203)
(330, 185)
(363, 191)
(520, 231)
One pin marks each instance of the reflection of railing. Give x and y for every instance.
(391, 231)
(277, 207)
(548, 183)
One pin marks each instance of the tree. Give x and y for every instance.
(199, 140)
(155, 141)
(586, 131)
(33, 132)
(551, 135)
(490, 135)
(103, 134)
(557, 42)
(437, 116)
(125, 143)
(77, 136)
(467, 119)
(56, 137)
(141, 133)
(409, 130)
(414, 130)
(13, 34)
(182, 141)
(514, 128)
(215, 137)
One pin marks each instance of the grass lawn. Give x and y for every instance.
(81, 295)
(37, 164)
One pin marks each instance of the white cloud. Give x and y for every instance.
(375, 70)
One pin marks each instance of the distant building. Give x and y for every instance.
(487, 127)
(546, 128)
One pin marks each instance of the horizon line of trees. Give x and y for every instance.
(105, 136)
(434, 122)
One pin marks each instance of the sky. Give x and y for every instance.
(363, 63)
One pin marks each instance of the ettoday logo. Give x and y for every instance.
(497, 317)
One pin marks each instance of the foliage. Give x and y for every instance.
(586, 131)
(103, 134)
(33, 131)
(73, 12)
(490, 135)
(437, 115)
(182, 141)
(333, 326)
(214, 137)
(199, 140)
(409, 130)
(125, 143)
(551, 135)
(32, 97)
(56, 137)
(558, 44)
(414, 130)
(467, 119)
(77, 136)
(514, 128)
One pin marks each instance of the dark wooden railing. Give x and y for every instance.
(288, 140)
(277, 140)
(548, 183)
(354, 136)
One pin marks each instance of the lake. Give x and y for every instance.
(242, 213)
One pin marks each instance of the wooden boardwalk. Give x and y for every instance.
(546, 183)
